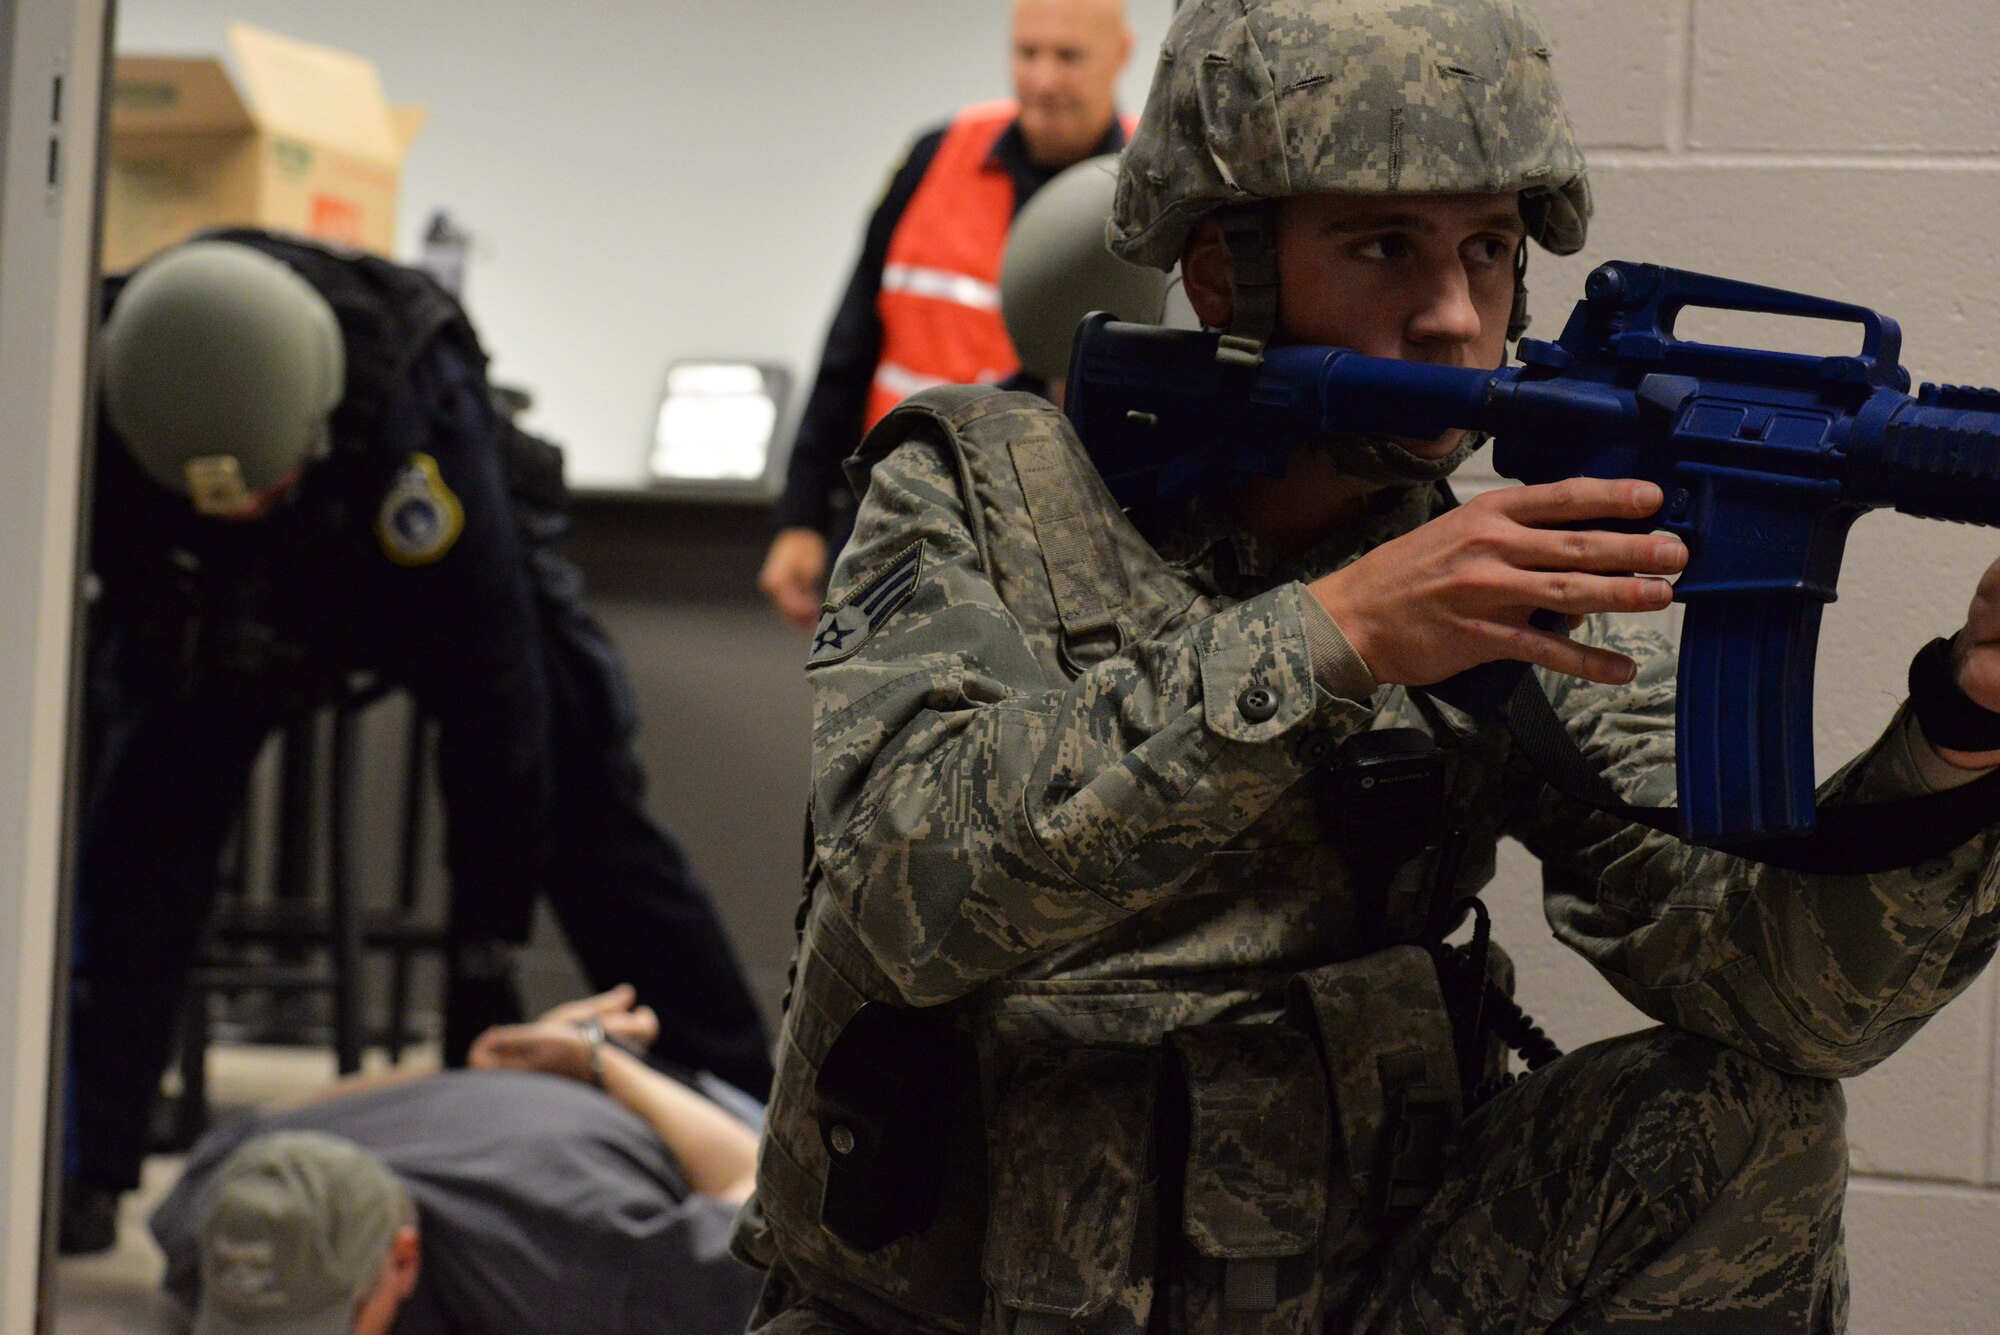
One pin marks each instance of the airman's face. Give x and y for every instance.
(1426, 278)
(1066, 57)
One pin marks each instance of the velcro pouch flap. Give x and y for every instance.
(1071, 1148)
(1259, 1122)
(1388, 1048)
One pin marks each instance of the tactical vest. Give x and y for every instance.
(1206, 1108)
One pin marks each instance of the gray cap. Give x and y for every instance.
(1267, 99)
(217, 352)
(295, 1233)
(1056, 269)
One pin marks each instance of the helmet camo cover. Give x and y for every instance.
(1266, 99)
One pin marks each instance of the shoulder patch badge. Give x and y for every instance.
(846, 626)
(420, 518)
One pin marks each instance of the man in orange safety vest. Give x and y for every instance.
(923, 306)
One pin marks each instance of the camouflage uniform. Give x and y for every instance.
(1114, 881)
(1063, 804)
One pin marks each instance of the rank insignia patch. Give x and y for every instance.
(846, 626)
(420, 517)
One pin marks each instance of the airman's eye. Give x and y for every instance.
(1386, 247)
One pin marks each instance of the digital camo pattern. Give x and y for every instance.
(1265, 99)
(1375, 1015)
(1067, 1244)
(1068, 806)
(1701, 1194)
(1817, 975)
(1257, 1140)
(1094, 862)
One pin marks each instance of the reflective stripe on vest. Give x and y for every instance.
(899, 382)
(940, 298)
(941, 285)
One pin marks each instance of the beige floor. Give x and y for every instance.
(119, 1293)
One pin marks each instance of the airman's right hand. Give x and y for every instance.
(1459, 591)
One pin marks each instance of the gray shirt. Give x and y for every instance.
(543, 1206)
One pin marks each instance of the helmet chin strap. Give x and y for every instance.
(1517, 319)
(1253, 260)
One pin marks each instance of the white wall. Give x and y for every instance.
(45, 239)
(682, 178)
(650, 181)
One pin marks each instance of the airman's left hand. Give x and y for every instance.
(1976, 663)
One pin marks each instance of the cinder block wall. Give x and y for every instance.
(1851, 149)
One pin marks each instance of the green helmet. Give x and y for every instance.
(1266, 99)
(222, 368)
(1056, 269)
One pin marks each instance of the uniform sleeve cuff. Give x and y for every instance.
(1932, 770)
(1336, 665)
(1257, 677)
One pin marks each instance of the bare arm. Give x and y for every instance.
(716, 1152)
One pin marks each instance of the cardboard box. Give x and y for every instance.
(309, 146)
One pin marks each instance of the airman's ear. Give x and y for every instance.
(1208, 274)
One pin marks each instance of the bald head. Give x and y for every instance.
(1067, 55)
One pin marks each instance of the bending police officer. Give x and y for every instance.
(1084, 837)
(301, 477)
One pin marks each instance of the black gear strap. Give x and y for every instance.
(1253, 257)
(1859, 839)
(1948, 716)
(1518, 318)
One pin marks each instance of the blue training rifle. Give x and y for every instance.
(1765, 458)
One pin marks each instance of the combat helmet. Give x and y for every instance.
(1057, 269)
(222, 369)
(1258, 100)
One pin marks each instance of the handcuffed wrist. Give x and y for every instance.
(593, 1034)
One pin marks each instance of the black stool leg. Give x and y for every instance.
(416, 776)
(292, 875)
(344, 902)
(191, 1109)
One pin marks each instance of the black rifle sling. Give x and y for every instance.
(1858, 839)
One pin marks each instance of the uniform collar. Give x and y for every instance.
(1010, 154)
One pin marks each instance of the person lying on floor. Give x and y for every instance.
(560, 1184)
